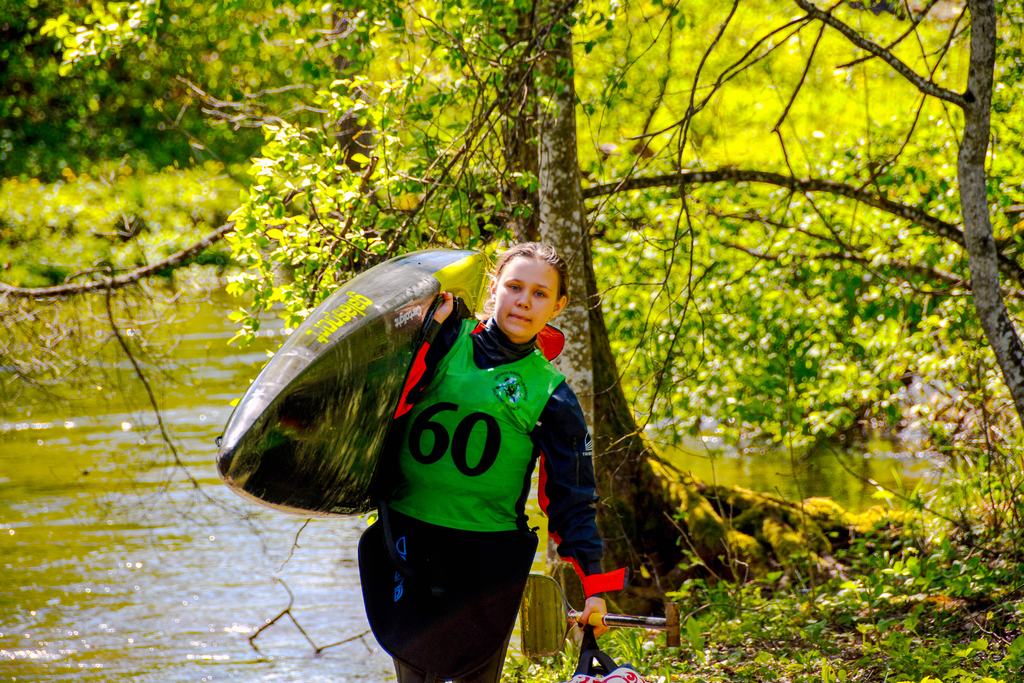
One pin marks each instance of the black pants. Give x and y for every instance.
(490, 672)
(452, 616)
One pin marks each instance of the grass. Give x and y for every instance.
(943, 603)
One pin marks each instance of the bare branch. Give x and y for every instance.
(732, 71)
(921, 16)
(287, 612)
(733, 175)
(800, 83)
(358, 636)
(691, 110)
(923, 84)
(295, 544)
(247, 114)
(117, 282)
(883, 167)
(152, 399)
(850, 257)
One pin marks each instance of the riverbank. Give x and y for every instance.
(939, 601)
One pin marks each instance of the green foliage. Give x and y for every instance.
(118, 219)
(107, 27)
(88, 81)
(942, 603)
(402, 160)
(776, 314)
(768, 313)
(784, 331)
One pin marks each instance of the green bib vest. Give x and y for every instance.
(466, 450)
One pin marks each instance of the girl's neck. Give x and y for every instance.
(492, 347)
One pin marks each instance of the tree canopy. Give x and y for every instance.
(773, 209)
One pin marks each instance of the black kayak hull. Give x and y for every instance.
(308, 434)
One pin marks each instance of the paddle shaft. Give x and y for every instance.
(627, 620)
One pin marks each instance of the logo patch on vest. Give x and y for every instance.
(510, 389)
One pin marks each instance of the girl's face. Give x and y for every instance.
(525, 297)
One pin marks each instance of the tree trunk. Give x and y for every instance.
(638, 507)
(638, 504)
(560, 218)
(352, 137)
(519, 134)
(561, 198)
(981, 247)
(651, 517)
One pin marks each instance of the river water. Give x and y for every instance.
(118, 563)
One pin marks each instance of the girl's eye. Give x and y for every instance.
(514, 288)
(540, 294)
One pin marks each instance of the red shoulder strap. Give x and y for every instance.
(551, 341)
(416, 372)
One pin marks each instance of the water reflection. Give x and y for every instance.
(115, 566)
(856, 477)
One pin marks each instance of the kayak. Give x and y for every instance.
(307, 436)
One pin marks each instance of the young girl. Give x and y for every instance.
(444, 568)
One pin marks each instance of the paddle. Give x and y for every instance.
(545, 618)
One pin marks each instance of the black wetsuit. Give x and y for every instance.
(480, 574)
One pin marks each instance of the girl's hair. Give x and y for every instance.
(541, 252)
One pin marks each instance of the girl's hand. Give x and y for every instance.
(593, 605)
(445, 309)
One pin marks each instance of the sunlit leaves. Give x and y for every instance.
(104, 30)
(782, 318)
(118, 219)
(406, 152)
(764, 312)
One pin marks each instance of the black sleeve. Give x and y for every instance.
(439, 338)
(568, 490)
